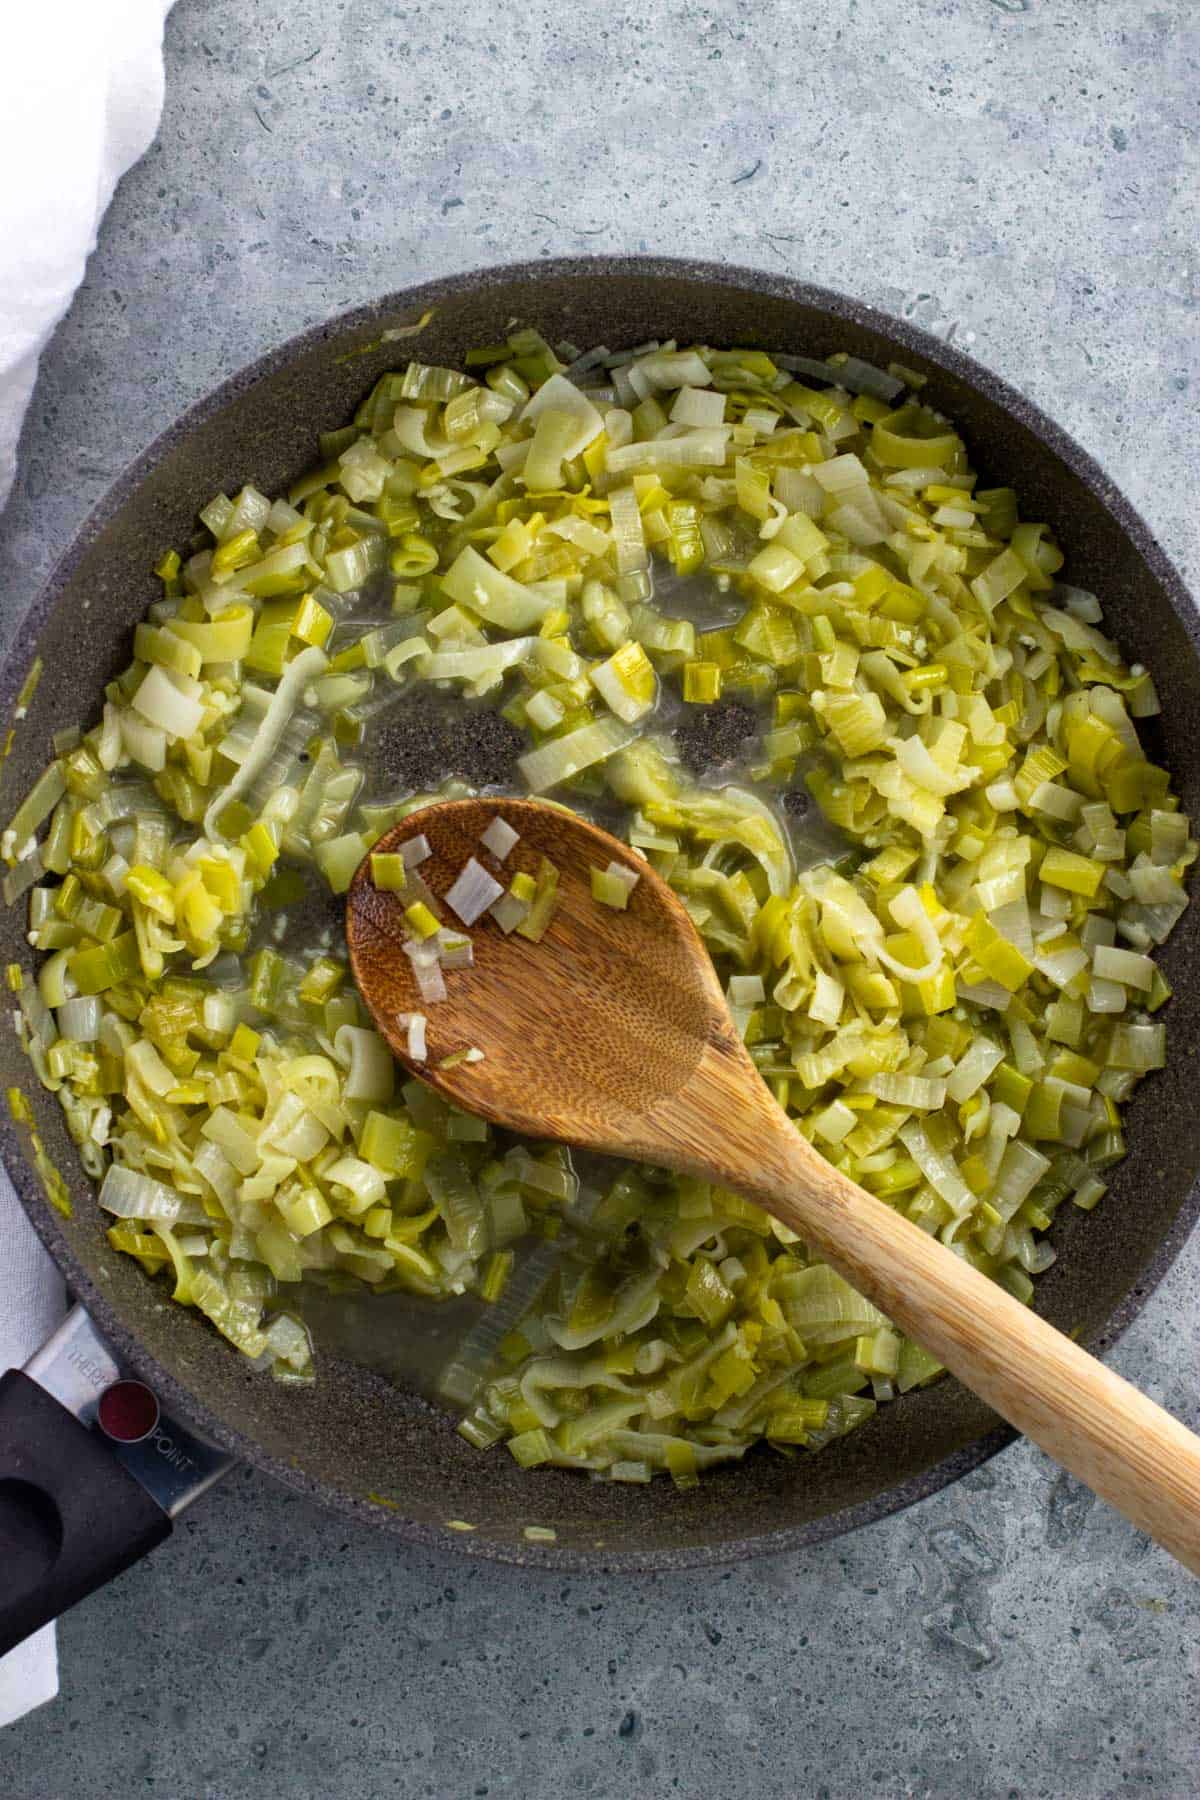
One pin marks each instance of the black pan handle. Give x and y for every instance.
(71, 1517)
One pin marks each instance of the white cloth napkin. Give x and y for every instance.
(82, 101)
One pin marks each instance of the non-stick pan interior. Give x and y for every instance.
(356, 1441)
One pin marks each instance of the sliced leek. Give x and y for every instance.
(955, 1007)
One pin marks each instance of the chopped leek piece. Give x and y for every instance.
(473, 892)
(425, 923)
(541, 908)
(701, 683)
(389, 873)
(499, 838)
(561, 758)
(1065, 869)
(609, 889)
(627, 682)
(414, 1024)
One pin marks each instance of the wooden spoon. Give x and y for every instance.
(613, 1033)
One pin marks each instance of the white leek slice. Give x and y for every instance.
(909, 912)
(563, 757)
(411, 426)
(483, 665)
(1125, 966)
(171, 702)
(704, 448)
(363, 1053)
(674, 369)
(508, 912)
(79, 1019)
(973, 1069)
(627, 682)
(628, 532)
(496, 597)
(131, 1195)
(427, 972)
(562, 396)
(414, 1025)
(284, 701)
(629, 879)
(499, 838)
(473, 892)
(698, 406)
(455, 949)
(939, 1169)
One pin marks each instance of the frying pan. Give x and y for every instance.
(356, 1442)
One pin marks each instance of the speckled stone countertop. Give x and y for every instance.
(1018, 173)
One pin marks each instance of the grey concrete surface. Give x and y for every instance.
(1020, 173)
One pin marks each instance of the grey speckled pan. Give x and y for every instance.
(356, 1436)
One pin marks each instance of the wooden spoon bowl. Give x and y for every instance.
(612, 1010)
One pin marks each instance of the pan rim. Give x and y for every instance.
(368, 317)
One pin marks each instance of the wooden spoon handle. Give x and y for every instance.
(1127, 1449)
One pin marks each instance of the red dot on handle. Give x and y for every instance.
(128, 1411)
